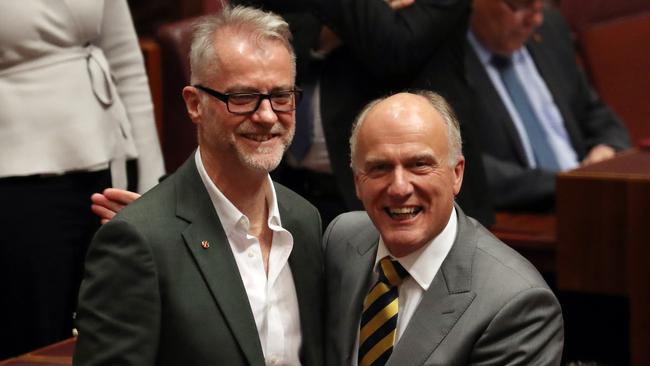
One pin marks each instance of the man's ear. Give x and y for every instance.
(356, 185)
(192, 103)
(459, 170)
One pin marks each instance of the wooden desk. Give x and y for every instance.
(57, 354)
(532, 235)
(603, 231)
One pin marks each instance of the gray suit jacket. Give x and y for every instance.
(152, 295)
(487, 305)
(587, 119)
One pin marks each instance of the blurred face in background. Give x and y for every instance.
(504, 26)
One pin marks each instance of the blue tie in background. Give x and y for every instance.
(544, 155)
(302, 140)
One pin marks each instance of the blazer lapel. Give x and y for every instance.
(485, 90)
(443, 304)
(215, 260)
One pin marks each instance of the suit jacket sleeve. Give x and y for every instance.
(528, 330)
(518, 187)
(119, 311)
(392, 44)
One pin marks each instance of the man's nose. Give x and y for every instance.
(265, 113)
(400, 185)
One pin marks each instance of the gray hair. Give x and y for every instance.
(259, 24)
(438, 103)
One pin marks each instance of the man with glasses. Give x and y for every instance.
(247, 103)
(538, 114)
(217, 265)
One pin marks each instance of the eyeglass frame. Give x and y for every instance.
(224, 97)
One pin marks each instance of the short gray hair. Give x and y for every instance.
(438, 103)
(259, 24)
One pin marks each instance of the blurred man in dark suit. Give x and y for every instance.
(538, 114)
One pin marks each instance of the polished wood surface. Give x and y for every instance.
(53, 355)
(603, 229)
(532, 235)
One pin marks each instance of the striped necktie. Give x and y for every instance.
(379, 317)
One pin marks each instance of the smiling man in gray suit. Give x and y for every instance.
(465, 298)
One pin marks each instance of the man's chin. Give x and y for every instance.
(266, 164)
(401, 243)
(260, 159)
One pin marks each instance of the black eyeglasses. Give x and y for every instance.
(245, 103)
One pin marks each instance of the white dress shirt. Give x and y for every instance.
(422, 266)
(272, 298)
(541, 100)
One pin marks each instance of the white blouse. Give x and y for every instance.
(73, 90)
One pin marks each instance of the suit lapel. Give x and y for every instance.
(489, 96)
(356, 280)
(443, 304)
(216, 263)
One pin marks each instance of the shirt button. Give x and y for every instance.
(251, 254)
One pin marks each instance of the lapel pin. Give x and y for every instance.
(205, 244)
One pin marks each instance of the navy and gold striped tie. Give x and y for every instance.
(379, 317)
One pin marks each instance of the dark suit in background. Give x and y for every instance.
(587, 119)
(486, 305)
(171, 301)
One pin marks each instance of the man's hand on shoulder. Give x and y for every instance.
(110, 202)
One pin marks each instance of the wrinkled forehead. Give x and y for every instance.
(408, 120)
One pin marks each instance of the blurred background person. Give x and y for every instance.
(75, 117)
(538, 115)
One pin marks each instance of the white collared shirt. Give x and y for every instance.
(273, 299)
(422, 266)
(541, 100)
